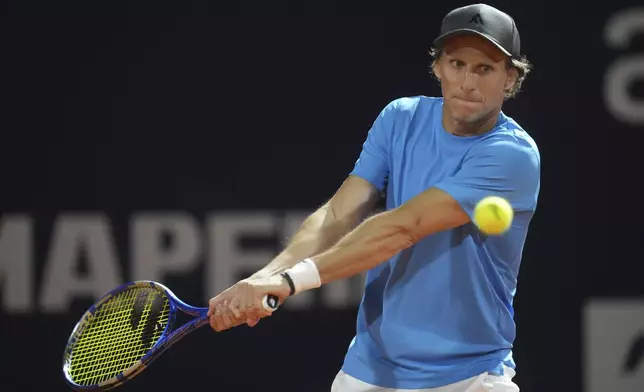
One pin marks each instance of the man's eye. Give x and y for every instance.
(484, 69)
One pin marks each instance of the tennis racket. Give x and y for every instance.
(125, 330)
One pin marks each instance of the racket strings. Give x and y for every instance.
(118, 335)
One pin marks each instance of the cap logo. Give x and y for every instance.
(477, 19)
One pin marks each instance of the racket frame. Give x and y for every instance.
(167, 338)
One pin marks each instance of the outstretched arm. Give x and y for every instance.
(374, 241)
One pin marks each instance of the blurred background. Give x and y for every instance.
(185, 141)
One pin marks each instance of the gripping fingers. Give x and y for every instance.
(257, 312)
(211, 307)
(220, 319)
(214, 310)
(228, 319)
(234, 308)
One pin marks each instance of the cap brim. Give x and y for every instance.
(440, 41)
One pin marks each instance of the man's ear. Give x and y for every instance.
(513, 76)
(436, 67)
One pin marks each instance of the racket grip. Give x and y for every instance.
(270, 302)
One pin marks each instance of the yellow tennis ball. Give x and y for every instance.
(493, 215)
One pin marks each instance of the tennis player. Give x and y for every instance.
(437, 312)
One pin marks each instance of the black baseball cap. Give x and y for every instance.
(486, 21)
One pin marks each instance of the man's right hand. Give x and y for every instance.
(237, 305)
(218, 317)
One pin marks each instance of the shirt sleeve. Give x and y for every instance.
(373, 162)
(497, 167)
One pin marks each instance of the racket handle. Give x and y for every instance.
(270, 302)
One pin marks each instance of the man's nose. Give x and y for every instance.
(470, 81)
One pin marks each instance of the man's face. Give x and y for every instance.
(474, 78)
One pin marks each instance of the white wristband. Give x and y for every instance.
(305, 275)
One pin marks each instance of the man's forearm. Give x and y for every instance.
(373, 242)
(316, 234)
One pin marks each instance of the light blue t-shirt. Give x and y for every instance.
(441, 311)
